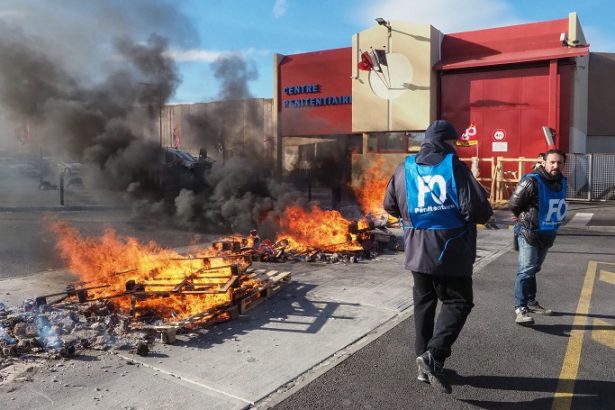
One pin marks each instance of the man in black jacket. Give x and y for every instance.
(439, 203)
(538, 205)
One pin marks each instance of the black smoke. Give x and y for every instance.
(77, 73)
(86, 76)
(241, 190)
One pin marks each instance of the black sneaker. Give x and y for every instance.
(422, 376)
(435, 372)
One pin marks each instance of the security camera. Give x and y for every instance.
(564, 39)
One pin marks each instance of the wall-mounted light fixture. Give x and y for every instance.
(383, 22)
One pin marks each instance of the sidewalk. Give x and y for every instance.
(563, 361)
(326, 311)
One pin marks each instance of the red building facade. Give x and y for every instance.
(512, 83)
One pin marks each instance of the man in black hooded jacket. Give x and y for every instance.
(539, 207)
(439, 203)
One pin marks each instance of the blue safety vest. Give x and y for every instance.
(431, 195)
(552, 205)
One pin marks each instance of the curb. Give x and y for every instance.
(59, 208)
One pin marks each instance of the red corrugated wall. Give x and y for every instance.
(331, 70)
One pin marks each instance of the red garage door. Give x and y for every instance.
(509, 108)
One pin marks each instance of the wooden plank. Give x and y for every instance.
(180, 285)
(174, 280)
(281, 277)
(229, 283)
(262, 277)
(216, 282)
(199, 291)
(224, 269)
(273, 290)
(271, 273)
(250, 301)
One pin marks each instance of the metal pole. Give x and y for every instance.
(62, 189)
(160, 120)
(590, 178)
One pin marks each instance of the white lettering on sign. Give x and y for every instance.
(499, 135)
(426, 185)
(557, 207)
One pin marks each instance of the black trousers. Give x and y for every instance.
(456, 296)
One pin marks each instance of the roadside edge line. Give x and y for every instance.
(562, 398)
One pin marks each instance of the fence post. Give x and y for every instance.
(590, 177)
(500, 179)
(493, 183)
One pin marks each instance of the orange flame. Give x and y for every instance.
(316, 229)
(370, 192)
(113, 260)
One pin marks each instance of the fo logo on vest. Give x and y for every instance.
(557, 207)
(426, 185)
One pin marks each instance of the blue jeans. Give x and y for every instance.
(530, 262)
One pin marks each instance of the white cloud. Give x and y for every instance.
(195, 55)
(279, 8)
(448, 16)
(12, 14)
(210, 56)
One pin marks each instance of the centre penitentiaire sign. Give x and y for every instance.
(305, 99)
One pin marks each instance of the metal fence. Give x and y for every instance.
(591, 177)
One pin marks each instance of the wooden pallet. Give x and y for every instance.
(270, 283)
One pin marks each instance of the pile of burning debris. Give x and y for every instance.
(102, 317)
(166, 293)
(365, 238)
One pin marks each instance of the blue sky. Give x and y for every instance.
(257, 29)
(200, 31)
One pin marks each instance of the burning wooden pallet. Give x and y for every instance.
(233, 286)
(269, 283)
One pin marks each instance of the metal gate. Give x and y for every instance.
(591, 177)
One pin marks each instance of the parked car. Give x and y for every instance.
(180, 169)
(54, 171)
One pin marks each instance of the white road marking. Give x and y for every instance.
(579, 219)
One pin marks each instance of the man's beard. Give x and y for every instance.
(554, 174)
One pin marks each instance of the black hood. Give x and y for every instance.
(434, 148)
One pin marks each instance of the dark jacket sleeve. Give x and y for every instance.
(524, 197)
(473, 199)
(394, 196)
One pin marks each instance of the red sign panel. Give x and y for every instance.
(315, 93)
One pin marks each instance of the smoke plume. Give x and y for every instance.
(83, 78)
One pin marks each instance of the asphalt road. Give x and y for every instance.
(564, 361)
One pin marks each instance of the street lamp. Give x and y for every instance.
(383, 22)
